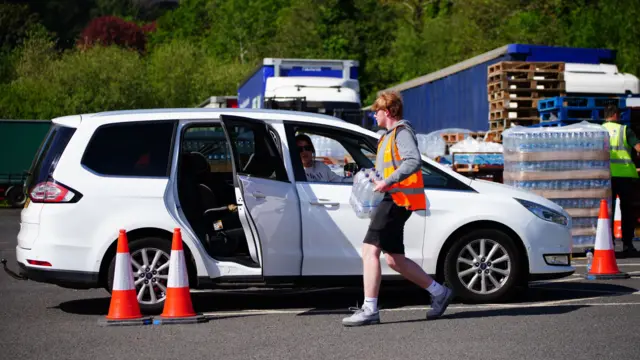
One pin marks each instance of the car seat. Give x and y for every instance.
(219, 225)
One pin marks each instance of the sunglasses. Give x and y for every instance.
(305, 148)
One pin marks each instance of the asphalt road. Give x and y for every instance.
(568, 319)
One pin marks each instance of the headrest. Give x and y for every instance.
(195, 162)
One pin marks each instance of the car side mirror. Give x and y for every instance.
(350, 169)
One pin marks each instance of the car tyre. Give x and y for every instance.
(499, 265)
(153, 276)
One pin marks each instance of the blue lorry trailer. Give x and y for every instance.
(457, 96)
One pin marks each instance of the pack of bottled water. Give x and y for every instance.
(363, 199)
(568, 165)
(432, 145)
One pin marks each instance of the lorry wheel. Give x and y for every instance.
(16, 196)
(482, 266)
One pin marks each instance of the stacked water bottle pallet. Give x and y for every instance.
(563, 108)
(515, 87)
(568, 165)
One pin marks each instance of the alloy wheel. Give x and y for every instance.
(483, 266)
(151, 273)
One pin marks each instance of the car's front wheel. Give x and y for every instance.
(483, 266)
(150, 266)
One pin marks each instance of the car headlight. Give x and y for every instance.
(544, 212)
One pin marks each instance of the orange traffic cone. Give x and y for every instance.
(178, 308)
(124, 308)
(604, 264)
(617, 220)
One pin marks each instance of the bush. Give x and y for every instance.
(112, 30)
(49, 84)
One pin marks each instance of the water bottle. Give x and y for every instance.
(589, 260)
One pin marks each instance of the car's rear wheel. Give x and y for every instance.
(483, 266)
(150, 266)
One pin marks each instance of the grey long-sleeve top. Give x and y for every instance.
(407, 147)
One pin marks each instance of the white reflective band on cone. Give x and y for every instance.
(603, 236)
(123, 278)
(177, 270)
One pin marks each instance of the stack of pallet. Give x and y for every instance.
(515, 87)
(563, 110)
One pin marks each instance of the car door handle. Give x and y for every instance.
(324, 202)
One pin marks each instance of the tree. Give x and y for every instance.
(111, 30)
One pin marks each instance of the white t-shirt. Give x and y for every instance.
(320, 172)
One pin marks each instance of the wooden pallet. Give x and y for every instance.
(525, 85)
(525, 66)
(509, 103)
(494, 136)
(519, 113)
(514, 94)
(502, 124)
(511, 75)
(452, 138)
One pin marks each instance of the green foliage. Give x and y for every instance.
(207, 47)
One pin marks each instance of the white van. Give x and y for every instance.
(599, 79)
(232, 179)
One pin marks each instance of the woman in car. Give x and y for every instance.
(316, 171)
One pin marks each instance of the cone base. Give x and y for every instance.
(178, 304)
(198, 318)
(607, 276)
(125, 322)
(124, 306)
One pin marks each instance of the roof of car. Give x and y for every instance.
(187, 111)
(267, 115)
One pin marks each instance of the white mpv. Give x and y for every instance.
(233, 181)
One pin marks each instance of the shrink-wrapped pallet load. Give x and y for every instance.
(568, 165)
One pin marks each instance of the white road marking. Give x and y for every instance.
(619, 264)
(578, 277)
(592, 290)
(566, 302)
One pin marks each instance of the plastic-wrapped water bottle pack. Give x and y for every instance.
(568, 165)
(363, 199)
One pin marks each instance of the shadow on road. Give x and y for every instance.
(338, 300)
(518, 311)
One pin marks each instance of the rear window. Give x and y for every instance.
(47, 157)
(139, 149)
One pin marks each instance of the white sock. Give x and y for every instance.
(371, 303)
(435, 289)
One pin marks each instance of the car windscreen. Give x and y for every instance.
(48, 155)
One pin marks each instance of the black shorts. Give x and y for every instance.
(386, 229)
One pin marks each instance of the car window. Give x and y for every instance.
(208, 142)
(433, 179)
(331, 153)
(257, 152)
(140, 149)
(46, 159)
(337, 155)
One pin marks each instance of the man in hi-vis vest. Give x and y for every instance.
(624, 175)
(398, 161)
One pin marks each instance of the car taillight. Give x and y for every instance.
(49, 192)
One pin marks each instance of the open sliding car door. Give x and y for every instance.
(264, 189)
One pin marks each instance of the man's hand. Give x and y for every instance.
(381, 186)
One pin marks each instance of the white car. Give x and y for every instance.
(233, 181)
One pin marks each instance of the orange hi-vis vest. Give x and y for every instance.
(408, 192)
